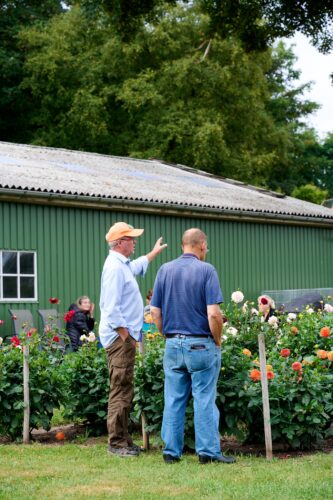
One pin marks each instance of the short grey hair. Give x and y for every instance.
(113, 244)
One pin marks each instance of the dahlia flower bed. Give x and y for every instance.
(299, 351)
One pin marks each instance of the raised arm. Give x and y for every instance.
(139, 266)
(157, 249)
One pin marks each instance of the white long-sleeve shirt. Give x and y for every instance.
(121, 303)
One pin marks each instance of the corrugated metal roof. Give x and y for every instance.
(60, 171)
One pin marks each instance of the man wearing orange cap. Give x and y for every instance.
(120, 327)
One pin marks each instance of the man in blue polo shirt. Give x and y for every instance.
(185, 307)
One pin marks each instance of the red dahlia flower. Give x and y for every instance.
(31, 332)
(264, 301)
(285, 353)
(56, 338)
(270, 375)
(15, 341)
(69, 315)
(297, 366)
(53, 300)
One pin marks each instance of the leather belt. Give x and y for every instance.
(183, 336)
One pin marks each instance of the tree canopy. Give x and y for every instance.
(231, 113)
(169, 87)
(14, 15)
(257, 23)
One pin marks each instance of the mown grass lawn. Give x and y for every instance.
(75, 470)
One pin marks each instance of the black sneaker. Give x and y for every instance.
(169, 459)
(122, 452)
(222, 459)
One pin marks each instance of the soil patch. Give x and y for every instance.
(67, 432)
(280, 450)
(229, 445)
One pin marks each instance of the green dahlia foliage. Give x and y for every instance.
(46, 383)
(300, 371)
(86, 384)
(299, 351)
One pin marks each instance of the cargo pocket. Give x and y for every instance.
(122, 376)
(123, 364)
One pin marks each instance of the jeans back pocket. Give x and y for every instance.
(199, 357)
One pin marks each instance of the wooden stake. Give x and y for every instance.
(26, 396)
(265, 397)
(145, 435)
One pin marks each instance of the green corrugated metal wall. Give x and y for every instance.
(71, 250)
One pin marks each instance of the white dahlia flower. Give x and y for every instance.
(237, 297)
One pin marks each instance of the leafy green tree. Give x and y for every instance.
(290, 110)
(126, 16)
(310, 192)
(73, 67)
(311, 162)
(259, 22)
(157, 95)
(14, 104)
(325, 174)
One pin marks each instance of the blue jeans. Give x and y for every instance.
(195, 364)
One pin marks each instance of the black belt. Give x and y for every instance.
(183, 336)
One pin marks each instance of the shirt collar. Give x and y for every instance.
(189, 255)
(119, 256)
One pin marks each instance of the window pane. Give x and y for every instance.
(9, 287)
(27, 288)
(9, 262)
(26, 263)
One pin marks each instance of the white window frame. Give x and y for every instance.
(18, 275)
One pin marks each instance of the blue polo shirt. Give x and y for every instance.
(183, 289)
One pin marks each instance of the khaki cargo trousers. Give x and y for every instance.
(121, 358)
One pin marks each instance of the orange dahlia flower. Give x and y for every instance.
(255, 375)
(322, 354)
(325, 331)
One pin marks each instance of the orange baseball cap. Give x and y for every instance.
(121, 229)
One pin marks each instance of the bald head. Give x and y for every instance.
(195, 241)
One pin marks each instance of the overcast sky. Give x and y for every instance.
(316, 67)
